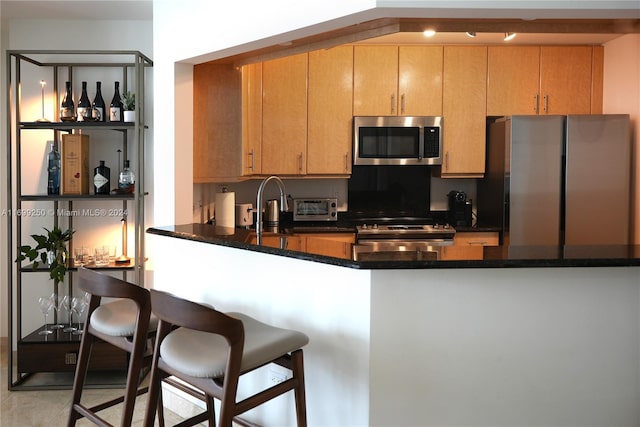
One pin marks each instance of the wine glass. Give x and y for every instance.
(67, 304)
(45, 304)
(79, 306)
(58, 308)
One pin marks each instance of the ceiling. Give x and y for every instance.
(77, 9)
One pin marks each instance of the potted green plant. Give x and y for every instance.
(51, 249)
(129, 104)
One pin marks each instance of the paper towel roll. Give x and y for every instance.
(226, 209)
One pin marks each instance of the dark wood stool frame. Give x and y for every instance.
(100, 286)
(175, 312)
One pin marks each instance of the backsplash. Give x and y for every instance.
(204, 194)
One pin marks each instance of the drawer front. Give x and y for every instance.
(62, 357)
(480, 238)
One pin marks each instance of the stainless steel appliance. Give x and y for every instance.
(401, 242)
(558, 180)
(315, 209)
(396, 140)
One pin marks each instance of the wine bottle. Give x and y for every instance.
(115, 108)
(101, 179)
(127, 179)
(98, 104)
(84, 105)
(67, 109)
(53, 170)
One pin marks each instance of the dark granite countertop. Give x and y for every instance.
(491, 256)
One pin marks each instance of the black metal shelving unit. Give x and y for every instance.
(56, 351)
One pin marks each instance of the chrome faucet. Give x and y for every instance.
(283, 202)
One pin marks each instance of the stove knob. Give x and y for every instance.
(375, 226)
(435, 226)
(446, 226)
(364, 226)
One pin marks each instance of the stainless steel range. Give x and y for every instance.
(401, 242)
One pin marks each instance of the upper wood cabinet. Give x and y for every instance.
(330, 100)
(375, 80)
(392, 80)
(217, 115)
(464, 110)
(513, 80)
(565, 79)
(252, 119)
(284, 115)
(544, 80)
(420, 80)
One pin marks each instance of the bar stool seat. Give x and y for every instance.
(118, 318)
(208, 351)
(204, 355)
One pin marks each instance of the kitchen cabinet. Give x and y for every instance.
(464, 111)
(565, 79)
(392, 80)
(420, 80)
(375, 80)
(330, 99)
(469, 245)
(112, 217)
(284, 115)
(544, 80)
(217, 112)
(337, 245)
(513, 80)
(251, 119)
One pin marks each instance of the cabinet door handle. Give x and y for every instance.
(252, 165)
(446, 161)
(546, 103)
(536, 104)
(393, 103)
(300, 162)
(477, 243)
(402, 104)
(346, 162)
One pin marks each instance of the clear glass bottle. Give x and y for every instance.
(115, 108)
(101, 179)
(67, 109)
(127, 179)
(84, 105)
(98, 104)
(53, 170)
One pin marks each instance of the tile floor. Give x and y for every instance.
(50, 408)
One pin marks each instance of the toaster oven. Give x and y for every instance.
(315, 209)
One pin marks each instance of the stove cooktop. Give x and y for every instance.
(405, 230)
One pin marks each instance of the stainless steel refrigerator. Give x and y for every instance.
(558, 180)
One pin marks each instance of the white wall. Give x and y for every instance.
(68, 35)
(505, 347)
(622, 96)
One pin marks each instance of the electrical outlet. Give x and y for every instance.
(277, 377)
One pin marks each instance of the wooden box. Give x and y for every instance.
(75, 164)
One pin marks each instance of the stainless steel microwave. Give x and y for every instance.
(397, 140)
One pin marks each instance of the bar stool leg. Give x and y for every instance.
(81, 373)
(299, 393)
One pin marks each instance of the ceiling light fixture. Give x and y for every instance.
(429, 33)
(471, 34)
(509, 36)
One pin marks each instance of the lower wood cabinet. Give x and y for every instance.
(469, 245)
(329, 244)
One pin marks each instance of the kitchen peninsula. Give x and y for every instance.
(553, 341)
